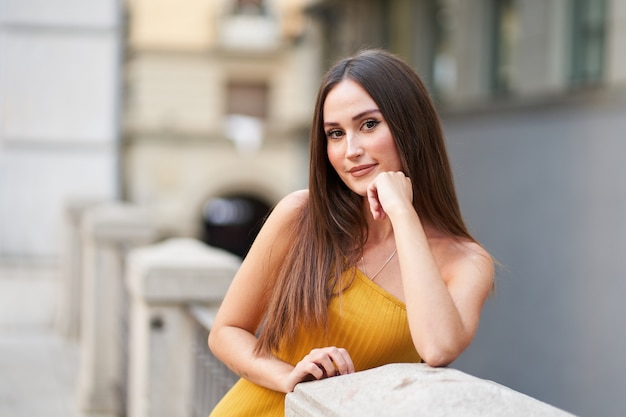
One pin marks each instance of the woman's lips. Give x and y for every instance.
(361, 170)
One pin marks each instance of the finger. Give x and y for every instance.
(392, 188)
(310, 370)
(342, 361)
(375, 206)
(326, 364)
(325, 359)
(318, 363)
(349, 365)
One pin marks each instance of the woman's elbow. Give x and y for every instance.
(213, 341)
(440, 355)
(437, 360)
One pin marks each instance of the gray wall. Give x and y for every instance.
(544, 189)
(59, 82)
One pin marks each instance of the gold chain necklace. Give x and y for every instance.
(381, 268)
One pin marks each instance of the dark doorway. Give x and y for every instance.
(232, 222)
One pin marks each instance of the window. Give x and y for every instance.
(505, 36)
(588, 39)
(444, 71)
(249, 7)
(248, 99)
(246, 111)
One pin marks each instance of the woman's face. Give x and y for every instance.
(359, 142)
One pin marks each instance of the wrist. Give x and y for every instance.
(401, 211)
(284, 379)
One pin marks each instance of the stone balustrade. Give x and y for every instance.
(164, 280)
(68, 313)
(108, 232)
(412, 390)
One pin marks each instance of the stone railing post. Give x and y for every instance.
(163, 281)
(108, 231)
(412, 390)
(67, 320)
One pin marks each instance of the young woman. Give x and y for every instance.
(371, 265)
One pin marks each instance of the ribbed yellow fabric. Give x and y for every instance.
(370, 323)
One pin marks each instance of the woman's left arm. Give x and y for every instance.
(443, 301)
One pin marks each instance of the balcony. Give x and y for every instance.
(249, 33)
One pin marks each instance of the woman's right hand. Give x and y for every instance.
(319, 364)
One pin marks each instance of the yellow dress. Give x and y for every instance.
(370, 323)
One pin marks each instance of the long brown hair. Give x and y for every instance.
(331, 229)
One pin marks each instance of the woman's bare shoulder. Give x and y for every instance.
(296, 199)
(291, 205)
(464, 255)
(472, 250)
(273, 242)
(287, 210)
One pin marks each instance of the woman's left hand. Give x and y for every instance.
(388, 191)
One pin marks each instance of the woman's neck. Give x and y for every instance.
(378, 231)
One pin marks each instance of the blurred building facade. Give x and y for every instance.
(473, 51)
(59, 101)
(158, 104)
(218, 100)
(532, 96)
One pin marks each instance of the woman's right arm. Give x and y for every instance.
(232, 338)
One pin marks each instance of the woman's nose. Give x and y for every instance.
(354, 147)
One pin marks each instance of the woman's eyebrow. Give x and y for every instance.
(355, 117)
(365, 113)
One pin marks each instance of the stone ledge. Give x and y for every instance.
(412, 390)
(180, 270)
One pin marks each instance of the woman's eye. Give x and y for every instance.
(334, 134)
(370, 124)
